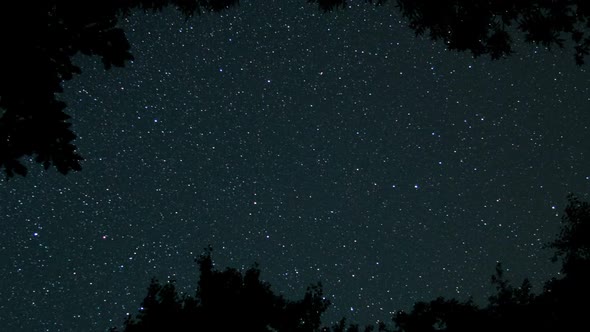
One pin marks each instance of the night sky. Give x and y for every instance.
(326, 147)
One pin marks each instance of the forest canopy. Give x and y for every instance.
(40, 41)
(231, 300)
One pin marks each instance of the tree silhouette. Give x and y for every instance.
(573, 243)
(230, 300)
(227, 301)
(39, 41)
(568, 297)
(561, 306)
(486, 26)
(340, 326)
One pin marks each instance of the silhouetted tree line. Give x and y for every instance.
(561, 306)
(231, 301)
(227, 301)
(39, 40)
(484, 26)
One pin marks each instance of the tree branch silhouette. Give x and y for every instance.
(39, 41)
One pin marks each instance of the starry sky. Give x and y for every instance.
(326, 147)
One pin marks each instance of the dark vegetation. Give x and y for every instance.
(40, 39)
(231, 301)
(228, 301)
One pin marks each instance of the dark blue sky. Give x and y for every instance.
(334, 147)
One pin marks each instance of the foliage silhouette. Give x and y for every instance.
(230, 300)
(37, 58)
(573, 243)
(227, 301)
(341, 327)
(560, 307)
(39, 43)
(484, 26)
